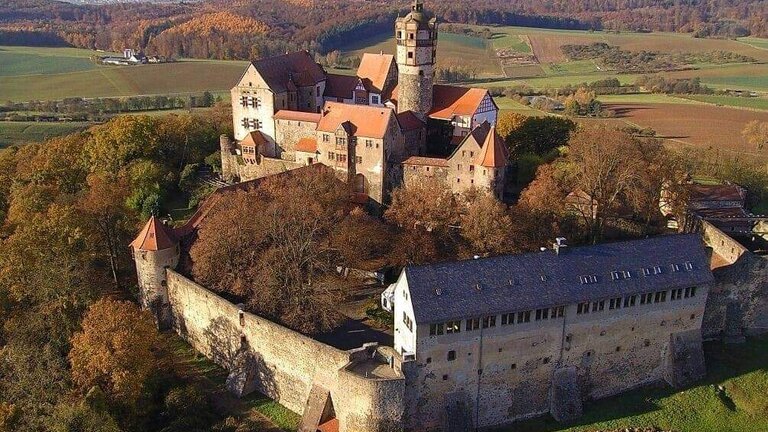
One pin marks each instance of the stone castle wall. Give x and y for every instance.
(233, 167)
(289, 132)
(150, 268)
(281, 363)
(506, 373)
(738, 302)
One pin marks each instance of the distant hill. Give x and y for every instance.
(214, 28)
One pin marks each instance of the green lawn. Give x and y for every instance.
(645, 98)
(741, 369)
(504, 40)
(17, 133)
(28, 73)
(761, 43)
(760, 103)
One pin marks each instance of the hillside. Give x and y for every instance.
(213, 28)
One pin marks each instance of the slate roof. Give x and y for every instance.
(285, 72)
(511, 283)
(730, 192)
(340, 86)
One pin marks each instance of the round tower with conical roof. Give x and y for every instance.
(416, 35)
(155, 250)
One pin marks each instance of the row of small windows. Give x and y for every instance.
(627, 274)
(251, 123)
(342, 141)
(250, 101)
(338, 157)
(490, 321)
(630, 301)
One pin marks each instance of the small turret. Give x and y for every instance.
(155, 249)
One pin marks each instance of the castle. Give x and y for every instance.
(476, 343)
(371, 127)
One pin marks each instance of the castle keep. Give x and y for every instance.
(288, 112)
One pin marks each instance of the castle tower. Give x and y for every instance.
(155, 249)
(416, 35)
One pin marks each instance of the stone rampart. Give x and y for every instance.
(285, 365)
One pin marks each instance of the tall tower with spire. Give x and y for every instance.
(416, 35)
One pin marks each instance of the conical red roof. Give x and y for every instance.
(494, 151)
(155, 236)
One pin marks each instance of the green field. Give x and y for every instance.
(453, 50)
(760, 103)
(29, 73)
(17, 133)
(761, 43)
(739, 369)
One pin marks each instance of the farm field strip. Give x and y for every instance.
(15, 133)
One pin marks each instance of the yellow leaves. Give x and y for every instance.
(508, 122)
(220, 22)
(114, 350)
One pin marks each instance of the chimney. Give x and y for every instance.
(560, 245)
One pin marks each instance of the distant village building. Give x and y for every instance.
(288, 112)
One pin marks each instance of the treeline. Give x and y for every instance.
(79, 109)
(220, 29)
(624, 61)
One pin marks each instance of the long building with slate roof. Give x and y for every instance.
(499, 339)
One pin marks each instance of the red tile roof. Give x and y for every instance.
(373, 70)
(361, 120)
(155, 236)
(297, 68)
(730, 192)
(340, 86)
(254, 139)
(307, 145)
(408, 121)
(426, 161)
(493, 153)
(297, 116)
(449, 101)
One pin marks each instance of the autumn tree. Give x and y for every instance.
(487, 226)
(509, 122)
(115, 350)
(276, 247)
(756, 134)
(428, 204)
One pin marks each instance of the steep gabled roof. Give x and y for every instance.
(408, 121)
(728, 192)
(511, 283)
(449, 101)
(373, 70)
(289, 70)
(340, 86)
(493, 153)
(155, 236)
(358, 120)
(254, 139)
(477, 135)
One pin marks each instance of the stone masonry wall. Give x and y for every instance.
(233, 167)
(284, 364)
(289, 132)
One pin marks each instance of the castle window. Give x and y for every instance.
(524, 317)
(163, 283)
(427, 169)
(458, 180)
(407, 321)
(645, 298)
(458, 167)
(629, 300)
(676, 294)
(471, 154)
(615, 303)
(359, 159)
(453, 327)
(421, 72)
(410, 54)
(647, 342)
(618, 348)
(451, 355)
(410, 36)
(690, 292)
(558, 312)
(507, 319)
(489, 321)
(693, 316)
(326, 138)
(429, 360)
(341, 141)
(545, 360)
(514, 366)
(582, 308)
(445, 377)
(331, 156)
(399, 34)
(436, 329)
(463, 154)
(471, 168)
(598, 306)
(472, 324)
(369, 143)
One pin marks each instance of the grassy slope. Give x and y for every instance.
(733, 101)
(740, 369)
(23, 132)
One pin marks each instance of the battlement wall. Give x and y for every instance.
(283, 364)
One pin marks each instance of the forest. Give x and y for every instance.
(248, 30)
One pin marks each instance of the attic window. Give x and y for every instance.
(675, 268)
(543, 278)
(588, 279)
(688, 265)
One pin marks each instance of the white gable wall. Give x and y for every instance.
(405, 338)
